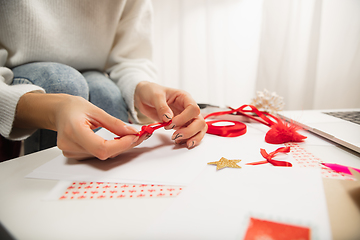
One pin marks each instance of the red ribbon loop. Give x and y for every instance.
(269, 157)
(234, 130)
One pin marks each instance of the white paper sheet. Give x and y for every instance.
(218, 204)
(158, 160)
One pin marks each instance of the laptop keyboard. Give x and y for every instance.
(349, 116)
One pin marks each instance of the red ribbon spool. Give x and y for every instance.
(234, 130)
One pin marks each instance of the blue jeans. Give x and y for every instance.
(94, 86)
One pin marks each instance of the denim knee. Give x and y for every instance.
(53, 77)
(105, 94)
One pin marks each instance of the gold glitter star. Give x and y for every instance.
(223, 162)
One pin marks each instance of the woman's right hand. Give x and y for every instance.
(74, 119)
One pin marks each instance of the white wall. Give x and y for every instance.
(223, 51)
(208, 48)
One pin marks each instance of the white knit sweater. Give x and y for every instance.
(114, 36)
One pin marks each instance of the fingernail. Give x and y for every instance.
(191, 144)
(135, 140)
(178, 135)
(170, 126)
(148, 136)
(167, 116)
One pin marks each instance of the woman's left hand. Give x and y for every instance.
(164, 104)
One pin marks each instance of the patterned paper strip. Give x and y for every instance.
(106, 190)
(305, 159)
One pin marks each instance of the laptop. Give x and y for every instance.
(338, 125)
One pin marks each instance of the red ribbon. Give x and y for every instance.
(280, 132)
(234, 130)
(269, 157)
(149, 129)
(242, 111)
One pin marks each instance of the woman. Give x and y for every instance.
(55, 57)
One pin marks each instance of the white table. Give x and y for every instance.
(26, 216)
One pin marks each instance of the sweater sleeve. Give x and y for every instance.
(130, 60)
(9, 97)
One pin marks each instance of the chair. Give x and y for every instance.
(9, 149)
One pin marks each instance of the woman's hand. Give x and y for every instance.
(74, 119)
(164, 104)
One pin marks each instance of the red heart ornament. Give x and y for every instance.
(282, 132)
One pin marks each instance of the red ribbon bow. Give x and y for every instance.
(149, 129)
(269, 157)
